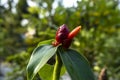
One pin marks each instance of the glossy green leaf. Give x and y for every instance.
(76, 65)
(45, 42)
(46, 72)
(39, 58)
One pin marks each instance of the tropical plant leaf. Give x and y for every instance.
(39, 58)
(76, 65)
(46, 72)
(45, 42)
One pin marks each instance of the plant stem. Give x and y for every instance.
(57, 68)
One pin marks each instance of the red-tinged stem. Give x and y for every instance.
(55, 43)
(74, 32)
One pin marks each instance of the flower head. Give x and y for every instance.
(62, 33)
(64, 37)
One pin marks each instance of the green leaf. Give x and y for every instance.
(76, 65)
(39, 58)
(46, 72)
(45, 42)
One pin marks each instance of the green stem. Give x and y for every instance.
(57, 68)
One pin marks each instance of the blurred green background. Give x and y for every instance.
(24, 23)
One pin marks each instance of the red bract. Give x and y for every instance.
(62, 33)
(64, 37)
(66, 43)
(74, 32)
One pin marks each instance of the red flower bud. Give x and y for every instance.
(74, 32)
(64, 37)
(66, 43)
(62, 33)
